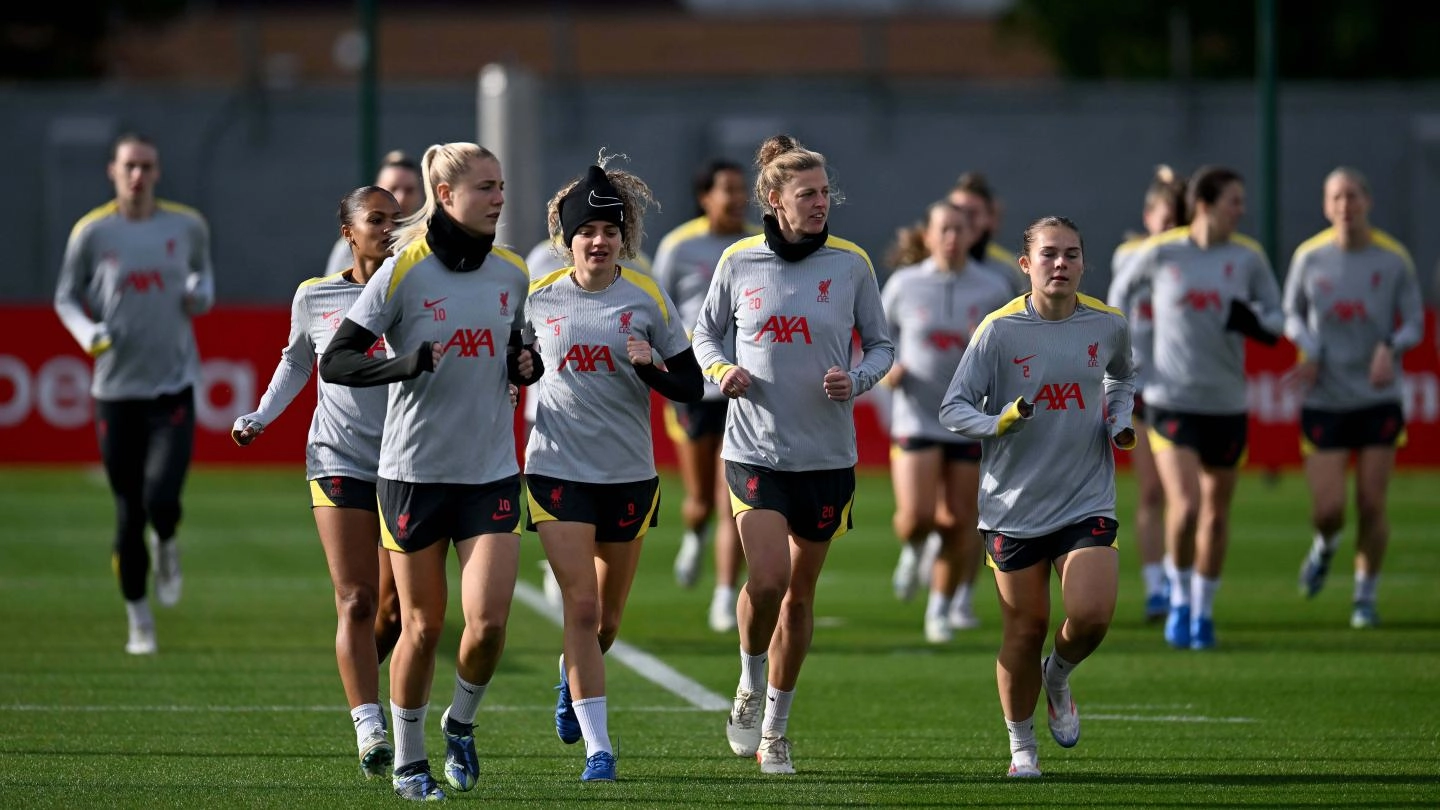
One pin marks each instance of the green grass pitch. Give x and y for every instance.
(243, 707)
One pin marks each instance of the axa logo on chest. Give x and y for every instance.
(784, 329)
(58, 391)
(469, 342)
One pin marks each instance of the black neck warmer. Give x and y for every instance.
(792, 251)
(458, 250)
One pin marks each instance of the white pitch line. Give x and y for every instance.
(644, 664)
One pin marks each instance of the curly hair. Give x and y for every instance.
(633, 191)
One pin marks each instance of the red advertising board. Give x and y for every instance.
(45, 407)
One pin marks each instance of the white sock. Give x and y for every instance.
(1180, 579)
(139, 613)
(1154, 576)
(696, 535)
(592, 712)
(752, 670)
(1204, 596)
(1326, 544)
(1365, 587)
(938, 606)
(466, 701)
(961, 599)
(909, 554)
(1022, 735)
(1057, 671)
(726, 594)
(409, 734)
(367, 719)
(777, 712)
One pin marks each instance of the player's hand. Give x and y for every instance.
(639, 351)
(1301, 376)
(735, 383)
(525, 363)
(838, 385)
(514, 392)
(245, 430)
(100, 342)
(1382, 366)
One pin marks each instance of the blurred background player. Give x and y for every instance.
(448, 473)
(401, 177)
(973, 194)
(933, 303)
(590, 472)
(342, 454)
(1352, 308)
(684, 265)
(1210, 288)
(1163, 209)
(136, 271)
(776, 333)
(1049, 494)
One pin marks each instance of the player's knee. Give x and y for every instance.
(423, 632)
(697, 509)
(356, 605)
(766, 589)
(1088, 623)
(164, 516)
(910, 525)
(1026, 629)
(1371, 509)
(1152, 496)
(1184, 512)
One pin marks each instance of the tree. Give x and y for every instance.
(1215, 39)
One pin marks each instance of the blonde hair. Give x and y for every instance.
(442, 163)
(909, 246)
(633, 192)
(777, 160)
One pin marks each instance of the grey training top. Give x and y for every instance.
(1199, 365)
(592, 422)
(1055, 469)
(685, 263)
(1341, 304)
(137, 282)
(345, 429)
(454, 425)
(788, 323)
(931, 314)
(1138, 312)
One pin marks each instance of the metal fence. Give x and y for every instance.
(268, 167)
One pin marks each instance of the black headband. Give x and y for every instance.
(594, 197)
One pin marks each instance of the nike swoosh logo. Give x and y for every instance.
(1098, 532)
(749, 293)
(411, 719)
(328, 315)
(1020, 360)
(825, 524)
(468, 690)
(598, 201)
(429, 303)
(501, 515)
(626, 523)
(553, 320)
